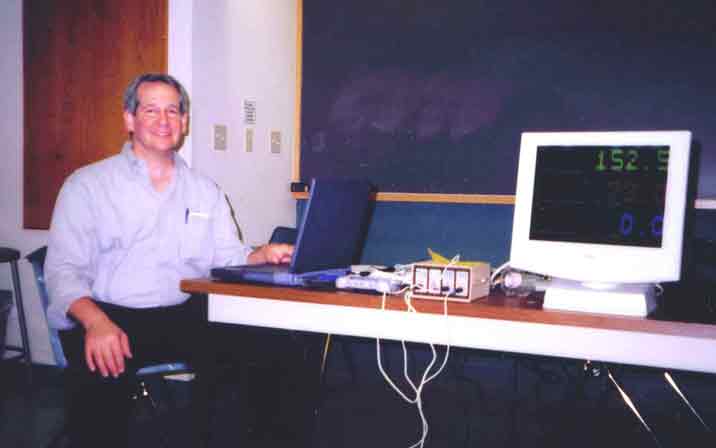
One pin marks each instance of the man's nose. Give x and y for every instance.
(163, 117)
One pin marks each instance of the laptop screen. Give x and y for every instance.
(333, 225)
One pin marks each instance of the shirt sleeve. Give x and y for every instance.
(71, 249)
(229, 249)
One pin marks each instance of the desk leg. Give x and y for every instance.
(320, 358)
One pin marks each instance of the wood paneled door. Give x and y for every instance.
(79, 55)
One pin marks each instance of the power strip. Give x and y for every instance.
(369, 283)
(460, 283)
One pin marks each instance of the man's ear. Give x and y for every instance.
(128, 121)
(185, 124)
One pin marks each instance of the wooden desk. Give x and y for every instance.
(494, 323)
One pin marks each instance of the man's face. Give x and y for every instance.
(158, 126)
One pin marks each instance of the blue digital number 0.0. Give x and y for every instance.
(626, 224)
(656, 225)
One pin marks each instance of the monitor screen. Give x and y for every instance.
(600, 194)
(601, 208)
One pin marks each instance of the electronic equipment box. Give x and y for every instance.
(459, 282)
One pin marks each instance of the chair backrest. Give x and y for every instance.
(8, 255)
(37, 260)
(285, 235)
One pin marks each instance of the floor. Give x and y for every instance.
(480, 399)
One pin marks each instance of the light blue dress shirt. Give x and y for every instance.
(114, 238)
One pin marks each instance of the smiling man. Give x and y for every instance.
(124, 232)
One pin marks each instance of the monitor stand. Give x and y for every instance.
(621, 299)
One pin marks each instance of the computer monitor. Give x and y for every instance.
(602, 215)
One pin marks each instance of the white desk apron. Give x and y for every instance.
(695, 350)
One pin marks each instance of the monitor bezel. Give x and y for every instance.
(605, 263)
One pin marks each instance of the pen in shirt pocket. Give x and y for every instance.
(189, 213)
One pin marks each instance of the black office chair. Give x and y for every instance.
(9, 255)
(286, 235)
(142, 393)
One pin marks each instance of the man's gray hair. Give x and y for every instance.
(131, 95)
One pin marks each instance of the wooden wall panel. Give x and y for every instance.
(78, 58)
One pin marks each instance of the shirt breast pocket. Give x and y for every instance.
(109, 238)
(195, 244)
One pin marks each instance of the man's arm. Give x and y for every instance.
(71, 247)
(69, 276)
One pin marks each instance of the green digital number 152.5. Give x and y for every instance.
(627, 160)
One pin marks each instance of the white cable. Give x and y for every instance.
(426, 377)
(380, 364)
(455, 259)
(497, 271)
(447, 346)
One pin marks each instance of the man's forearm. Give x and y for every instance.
(86, 312)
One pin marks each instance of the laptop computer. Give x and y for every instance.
(329, 240)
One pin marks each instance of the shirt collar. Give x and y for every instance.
(139, 168)
(138, 165)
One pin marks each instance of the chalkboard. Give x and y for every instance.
(431, 96)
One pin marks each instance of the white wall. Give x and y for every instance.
(246, 50)
(11, 233)
(224, 51)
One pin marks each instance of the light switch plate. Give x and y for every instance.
(249, 137)
(220, 137)
(276, 142)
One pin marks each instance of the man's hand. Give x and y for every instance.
(106, 345)
(271, 253)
